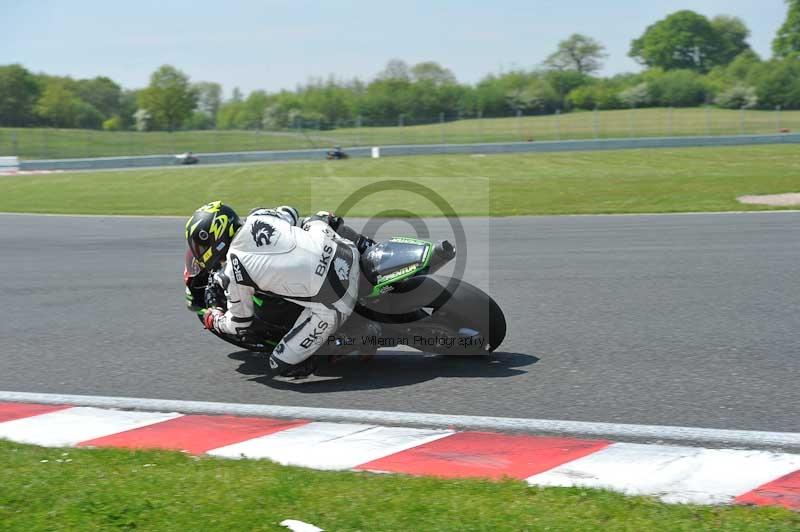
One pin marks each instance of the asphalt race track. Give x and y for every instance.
(678, 320)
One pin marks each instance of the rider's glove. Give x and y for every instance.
(215, 290)
(210, 317)
(333, 221)
(214, 296)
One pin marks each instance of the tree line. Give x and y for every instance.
(688, 60)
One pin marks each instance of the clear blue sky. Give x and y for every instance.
(276, 44)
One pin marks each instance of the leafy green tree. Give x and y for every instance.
(19, 92)
(231, 112)
(169, 98)
(677, 88)
(744, 70)
(787, 41)
(578, 52)
(127, 108)
(87, 116)
(101, 92)
(275, 117)
(427, 100)
(732, 33)
(738, 70)
(537, 96)
(682, 40)
(209, 98)
(142, 119)
(433, 72)
(281, 110)
(384, 100)
(198, 121)
(331, 102)
(779, 84)
(636, 96)
(58, 105)
(395, 69)
(737, 97)
(744, 66)
(252, 114)
(467, 103)
(564, 82)
(602, 95)
(113, 124)
(490, 96)
(516, 91)
(228, 115)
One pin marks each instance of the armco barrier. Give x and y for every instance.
(416, 149)
(9, 164)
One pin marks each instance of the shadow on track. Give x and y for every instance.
(389, 369)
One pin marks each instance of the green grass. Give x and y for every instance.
(625, 181)
(42, 143)
(87, 489)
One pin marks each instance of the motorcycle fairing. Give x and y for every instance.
(395, 260)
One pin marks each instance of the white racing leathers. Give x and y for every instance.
(311, 266)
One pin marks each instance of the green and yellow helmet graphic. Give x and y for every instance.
(209, 232)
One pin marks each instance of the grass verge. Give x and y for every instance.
(88, 489)
(625, 181)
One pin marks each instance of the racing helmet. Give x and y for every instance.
(209, 232)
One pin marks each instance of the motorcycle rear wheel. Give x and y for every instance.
(475, 317)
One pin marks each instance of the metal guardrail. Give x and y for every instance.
(415, 149)
(9, 164)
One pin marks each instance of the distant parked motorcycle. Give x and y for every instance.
(186, 158)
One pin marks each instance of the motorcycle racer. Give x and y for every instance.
(273, 252)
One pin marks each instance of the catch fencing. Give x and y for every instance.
(400, 150)
(401, 130)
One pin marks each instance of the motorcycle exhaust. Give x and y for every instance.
(443, 252)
